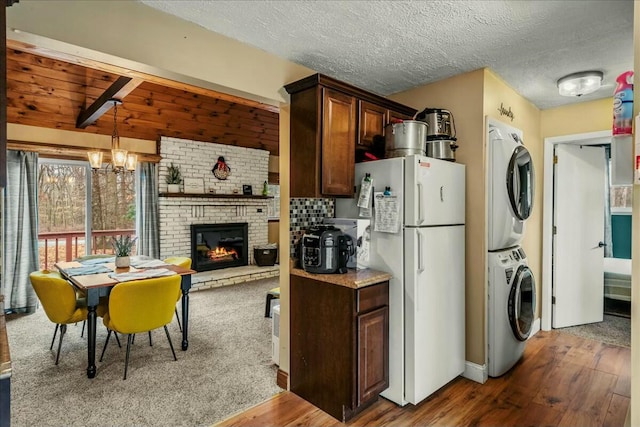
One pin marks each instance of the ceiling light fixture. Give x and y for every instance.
(120, 159)
(578, 84)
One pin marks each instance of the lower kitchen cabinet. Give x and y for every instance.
(339, 344)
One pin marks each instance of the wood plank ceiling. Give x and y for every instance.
(52, 93)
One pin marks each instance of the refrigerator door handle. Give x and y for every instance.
(442, 193)
(420, 218)
(420, 261)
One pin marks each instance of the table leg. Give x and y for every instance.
(91, 341)
(186, 285)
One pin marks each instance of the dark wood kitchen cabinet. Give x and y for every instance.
(339, 344)
(373, 119)
(330, 121)
(395, 116)
(338, 136)
(372, 123)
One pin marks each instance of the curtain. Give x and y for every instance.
(20, 231)
(147, 217)
(608, 249)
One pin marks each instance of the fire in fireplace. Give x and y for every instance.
(215, 246)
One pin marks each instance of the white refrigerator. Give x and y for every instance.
(427, 261)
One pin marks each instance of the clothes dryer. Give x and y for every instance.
(510, 185)
(511, 308)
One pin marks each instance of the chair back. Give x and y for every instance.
(143, 305)
(182, 261)
(57, 296)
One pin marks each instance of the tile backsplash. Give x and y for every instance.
(305, 212)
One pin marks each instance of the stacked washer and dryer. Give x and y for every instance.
(511, 287)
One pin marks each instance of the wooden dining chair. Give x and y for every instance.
(141, 306)
(184, 262)
(59, 301)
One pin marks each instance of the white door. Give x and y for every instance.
(434, 309)
(578, 254)
(434, 192)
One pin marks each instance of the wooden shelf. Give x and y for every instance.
(216, 196)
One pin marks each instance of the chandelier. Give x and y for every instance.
(121, 160)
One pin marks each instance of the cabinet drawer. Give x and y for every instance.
(373, 296)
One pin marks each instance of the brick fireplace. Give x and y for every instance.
(225, 205)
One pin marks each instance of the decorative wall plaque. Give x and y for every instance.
(505, 112)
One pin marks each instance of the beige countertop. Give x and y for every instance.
(351, 279)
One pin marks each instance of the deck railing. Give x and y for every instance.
(66, 246)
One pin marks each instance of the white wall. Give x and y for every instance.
(195, 159)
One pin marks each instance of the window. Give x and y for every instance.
(74, 222)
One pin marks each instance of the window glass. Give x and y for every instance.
(74, 222)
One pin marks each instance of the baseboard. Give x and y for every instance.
(282, 379)
(535, 328)
(475, 372)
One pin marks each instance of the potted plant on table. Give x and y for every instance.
(174, 179)
(122, 247)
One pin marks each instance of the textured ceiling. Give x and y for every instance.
(391, 46)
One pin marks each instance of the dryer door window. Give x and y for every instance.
(520, 179)
(522, 303)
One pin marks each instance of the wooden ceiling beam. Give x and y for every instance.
(118, 90)
(70, 151)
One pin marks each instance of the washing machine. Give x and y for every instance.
(511, 308)
(510, 185)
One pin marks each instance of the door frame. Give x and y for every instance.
(589, 138)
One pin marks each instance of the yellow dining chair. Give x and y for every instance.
(184, 262)
(59, 301)
(141, 306)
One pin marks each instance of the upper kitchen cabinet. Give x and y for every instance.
(395, 116)
(337, 147)
(372, 120)
(330, 121)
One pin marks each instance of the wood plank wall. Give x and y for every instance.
(51, 93)
(3, 101)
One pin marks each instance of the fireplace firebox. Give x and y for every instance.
(215, 246)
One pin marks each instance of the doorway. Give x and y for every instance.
(591, 138)
(579, 234)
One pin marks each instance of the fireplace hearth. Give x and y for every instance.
(215, 246)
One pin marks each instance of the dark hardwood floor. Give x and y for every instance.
(562, 380)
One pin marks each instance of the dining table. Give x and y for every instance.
(96, 277)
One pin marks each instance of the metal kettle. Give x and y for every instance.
(439, 122)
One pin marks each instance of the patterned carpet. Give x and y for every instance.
(227, 368)
(615, 330)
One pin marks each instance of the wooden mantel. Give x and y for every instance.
(216, 196)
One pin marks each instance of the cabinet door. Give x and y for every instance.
(338, 143)
(395, 116)
(373, 353)
(373, 119)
